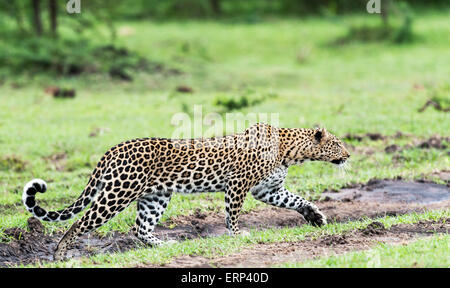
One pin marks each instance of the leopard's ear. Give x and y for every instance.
(320, 134)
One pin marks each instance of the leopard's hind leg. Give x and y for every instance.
(105, 207)
(151, 207)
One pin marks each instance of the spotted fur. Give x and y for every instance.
(150, 170)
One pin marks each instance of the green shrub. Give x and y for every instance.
(67, 57)
(230, 103)
(395, 30)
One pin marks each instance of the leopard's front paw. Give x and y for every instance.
(313, 215)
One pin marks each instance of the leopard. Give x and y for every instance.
(151, 170)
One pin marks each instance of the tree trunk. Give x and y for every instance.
(215, 6)
(18, 15)
(37, 22)
(385, 9)
(53, 14)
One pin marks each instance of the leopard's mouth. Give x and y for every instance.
(339, 161)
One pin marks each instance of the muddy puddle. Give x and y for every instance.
(354, 203)
(389, 191)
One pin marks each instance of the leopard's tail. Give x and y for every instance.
(39, 185)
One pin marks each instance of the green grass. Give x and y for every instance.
(355, 88)
(431, 252)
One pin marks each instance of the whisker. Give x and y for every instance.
(342, 170)
(348, 164)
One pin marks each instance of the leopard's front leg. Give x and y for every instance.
(283, 198)
(271, 191)
(235, 194)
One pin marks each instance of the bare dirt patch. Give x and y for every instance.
(57, 161)
(436, 104)
(12, 163)
(184, 89)
(361, 137)
(58, 92)
(443, 175)
(433, 142)
(268, 254)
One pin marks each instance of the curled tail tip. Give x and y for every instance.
(34, 186)
(29, 200)
(30, 190)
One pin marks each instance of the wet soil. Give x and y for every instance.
(23, 247)
(391, 191)
(34, 246)
(268, 254)
(433, 142)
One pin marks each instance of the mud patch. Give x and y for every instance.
(389, 191)
(436, 142)
(33, 246)
(268, 254)
(433, 142)
(58, 92)
(334, 239)
(374, 228)
(443, 175)
(436, 104)
(184, 89)
(57, 161)
(361, 137)
(375, 136)
(12, 163)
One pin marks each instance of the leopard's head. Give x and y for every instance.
(326, 147)
(299, 145)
